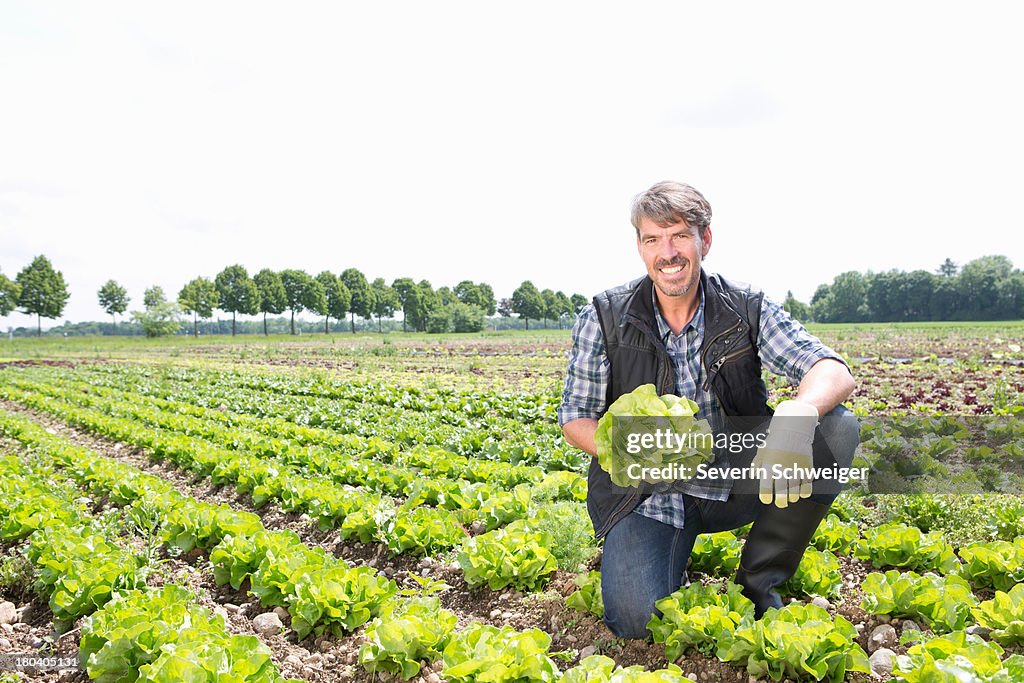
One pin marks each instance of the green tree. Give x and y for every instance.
(385, 301)
(480, 295)
(296, 285)
(43, 291)
(446, 295)
(797, 309)
(237, 293)
(429, 303)
(362, 303)
(466, 317)
(153, 297)
(315, 300)
(408, 299)
(161, 319)
(273, 298)
(948, 268)
(527, 302)
(9, 292)
(198, 297)
(338, 297)
(979, 286)
(113, 299)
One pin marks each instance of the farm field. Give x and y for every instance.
(403, 507)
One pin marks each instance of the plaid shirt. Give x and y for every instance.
(786, 348)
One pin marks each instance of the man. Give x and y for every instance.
(706, 338)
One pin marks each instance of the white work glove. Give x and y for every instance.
(787, 444)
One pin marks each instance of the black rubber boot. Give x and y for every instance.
(774, 548)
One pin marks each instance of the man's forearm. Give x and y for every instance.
(580, 433)
(827, 384)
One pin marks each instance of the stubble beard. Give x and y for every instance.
(677, 290)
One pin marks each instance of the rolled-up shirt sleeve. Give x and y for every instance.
(786, 347)
(586, 381)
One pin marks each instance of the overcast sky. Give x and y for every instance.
(439, 140)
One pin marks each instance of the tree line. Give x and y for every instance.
(40, 290)
(988, 288)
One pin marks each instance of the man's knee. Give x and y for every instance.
(840, 430)
(627, 618)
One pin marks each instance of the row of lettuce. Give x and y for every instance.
(433, 517)
(160, 634)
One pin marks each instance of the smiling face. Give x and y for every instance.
(673, 255)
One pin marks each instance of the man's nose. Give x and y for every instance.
(667, 250)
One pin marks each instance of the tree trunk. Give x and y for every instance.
(327, 322)
(195, 325)
(353, 322)
(264, 323)
(39, 324)
(403, 321)
(232, 323)
(380, 330)
(113, 321)
(527, 322)
(293, 322)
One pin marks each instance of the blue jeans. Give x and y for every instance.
(645, 560)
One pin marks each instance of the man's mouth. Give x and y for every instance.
(670, 270)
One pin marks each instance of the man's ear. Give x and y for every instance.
(706, 240)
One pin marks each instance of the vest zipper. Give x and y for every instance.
(713, 370)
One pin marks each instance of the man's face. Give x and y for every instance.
(672, 255)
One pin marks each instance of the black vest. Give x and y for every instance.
(732, 367)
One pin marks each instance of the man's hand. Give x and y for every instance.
(788, 445)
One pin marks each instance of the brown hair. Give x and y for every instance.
(667, 203)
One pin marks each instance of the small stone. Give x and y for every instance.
(7, 628)
(978, 630)
(588, 651)
(221, 612)
(294, 661)
(4, 644)
(267, 624)
(507, 615)
(554, 623)
(752, 679)
(570, 638)
(231, 607)
(388, 572)
(22, 627)
(315, 659)
(477, 528)
(821, 602)
(495, 613)
(504, 597)
(36, 642)
(909, 625)
(8, 613)
(883, 636)
(859, 627)
(881, 662)
(305, 518)
(884, 618)
(281, 612)
(432, 677)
